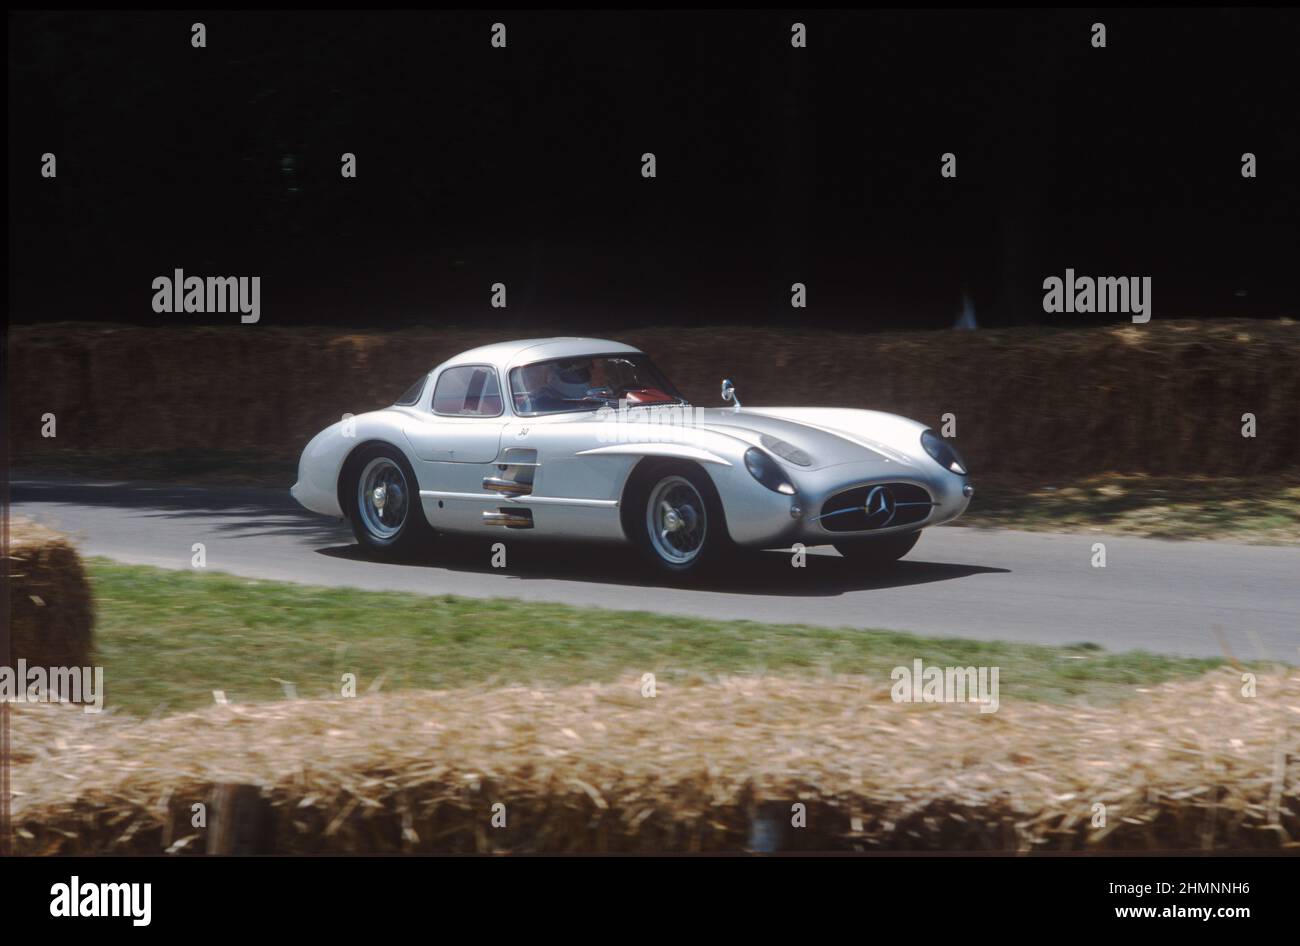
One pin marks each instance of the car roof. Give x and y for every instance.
(506, 355)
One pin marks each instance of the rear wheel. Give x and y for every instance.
(674, 517)
(878, 551)
(383, 502)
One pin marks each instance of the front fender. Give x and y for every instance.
(679, 451)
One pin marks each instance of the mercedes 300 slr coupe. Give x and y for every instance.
(585, 439)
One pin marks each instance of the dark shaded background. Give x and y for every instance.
(522, 165)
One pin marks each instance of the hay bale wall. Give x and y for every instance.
(1166, 397)
(701, 767)
(51, 618)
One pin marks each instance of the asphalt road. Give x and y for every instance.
(1171, 597)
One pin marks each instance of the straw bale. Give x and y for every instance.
(706, 765)
(51, 617)
(1166, 397)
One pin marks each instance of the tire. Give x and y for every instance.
(384, 529)
(674, 517)
(880, 551)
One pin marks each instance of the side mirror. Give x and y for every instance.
(729, 393)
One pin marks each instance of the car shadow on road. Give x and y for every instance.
(754, 573)
(233, 511)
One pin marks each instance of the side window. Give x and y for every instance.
(413, 393)
(471, 390)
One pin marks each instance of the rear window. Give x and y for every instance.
(470, 390)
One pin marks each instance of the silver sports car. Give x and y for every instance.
(582, 438)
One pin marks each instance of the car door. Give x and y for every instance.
(466, 417)
(457, 443)
(569, 495)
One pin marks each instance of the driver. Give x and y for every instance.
(553, 386)
(573, 379)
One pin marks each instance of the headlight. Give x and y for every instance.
(764, 469)
(944, 453)
(786, 451)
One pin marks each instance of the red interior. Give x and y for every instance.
(648, 396)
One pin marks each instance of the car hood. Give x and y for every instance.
(830, 436)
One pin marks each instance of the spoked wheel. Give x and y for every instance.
(678, 521)
(878, 551)
(384, 502)
(383, 498)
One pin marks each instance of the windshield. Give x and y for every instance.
(588, 383)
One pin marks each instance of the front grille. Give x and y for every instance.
(876, 506)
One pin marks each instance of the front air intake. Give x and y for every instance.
(876, 506)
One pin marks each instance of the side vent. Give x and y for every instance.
(516, 518)
(515, 473)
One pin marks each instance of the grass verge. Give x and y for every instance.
(168, 639)
(1255, 509)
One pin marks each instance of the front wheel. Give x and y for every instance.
(878, 551)
(676, 519)
(383, 502)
